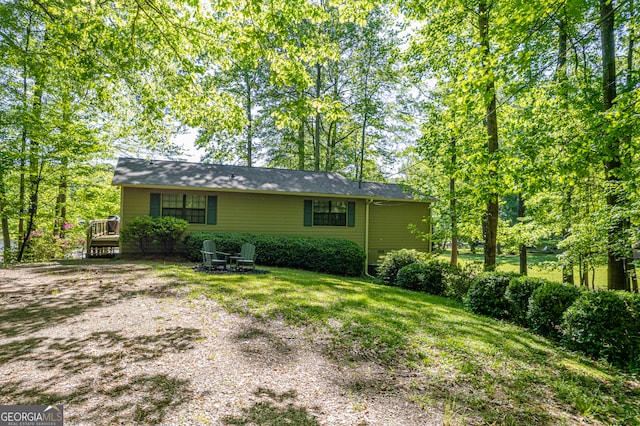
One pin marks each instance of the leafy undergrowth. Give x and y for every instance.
(478, 370)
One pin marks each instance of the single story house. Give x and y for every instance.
(218, 198)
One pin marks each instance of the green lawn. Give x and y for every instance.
(480, 371)
(538, 265)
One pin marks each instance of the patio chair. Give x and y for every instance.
(210, 259)
(247, 256)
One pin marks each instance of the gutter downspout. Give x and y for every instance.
(367, 203)
(121, 217)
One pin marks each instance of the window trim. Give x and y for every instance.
(332, 213)
(156, 208)
(309, 216)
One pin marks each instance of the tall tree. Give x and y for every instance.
(63, 64)
(490, 222)
(612, 159)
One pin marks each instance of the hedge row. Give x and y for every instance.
(328, 255)
(601, 324)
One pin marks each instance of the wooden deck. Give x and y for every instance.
(103, 238)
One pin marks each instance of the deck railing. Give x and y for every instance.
(102, 237)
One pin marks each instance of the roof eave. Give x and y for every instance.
(266, 192)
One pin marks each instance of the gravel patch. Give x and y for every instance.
(116, 344)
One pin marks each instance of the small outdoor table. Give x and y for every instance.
(234, 260)
(226, 258)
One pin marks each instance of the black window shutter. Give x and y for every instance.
(212, 210)
(351, 214)
(308, 213)
(154, 205)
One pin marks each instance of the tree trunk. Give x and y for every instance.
(630, 47)
(584, 274)
(332, 134)
(523, 247)
(6, 236)
(301, 145)
(562, 49)
(23, 142)
(334, 143)
(35, 180)
(365, 123)
(363, 138)
(35, 165)
(22, 197)
(316, 142)
(631, 282)
(6, 240)
(567, 270)
(61, 200)
(612, 162)
(453, 206)
(567, 193)
(249, 107)
(491, 214)
(330, 157)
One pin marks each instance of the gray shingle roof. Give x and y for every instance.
(177, 174)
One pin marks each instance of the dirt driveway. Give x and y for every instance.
(116, 344)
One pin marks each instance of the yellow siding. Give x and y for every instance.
(135, 202)
(389, 227)
(284, 215)
(252, 213)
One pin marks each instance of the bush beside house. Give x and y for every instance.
(393, 261)
(425, 277)
(151, 234)
(328, 255)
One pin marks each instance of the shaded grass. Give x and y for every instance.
(273, 409)
(476, 369)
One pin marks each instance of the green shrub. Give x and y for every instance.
(329, 255)
(139, 230)
(632, 302)
(392, 262)
(424, 277)
(547, 305)
(167, 232)
(145, 231)
(458, 280)
(517, 294)
(601, 324)
(486, 294)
